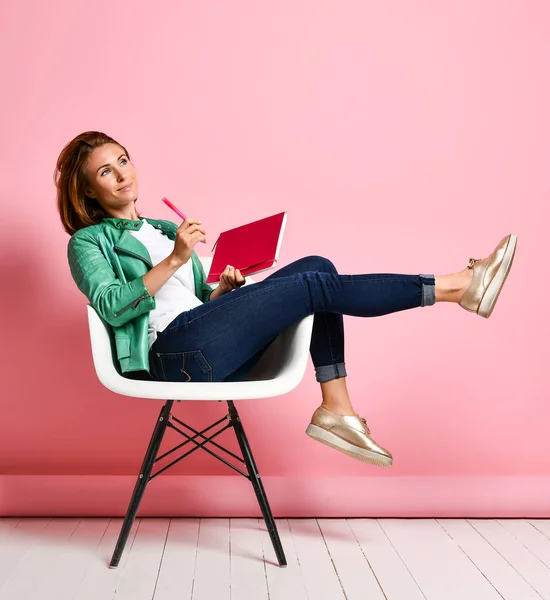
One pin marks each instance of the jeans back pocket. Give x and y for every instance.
(183, 366)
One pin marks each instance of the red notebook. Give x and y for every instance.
(251, 248)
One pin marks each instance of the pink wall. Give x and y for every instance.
(400, 137)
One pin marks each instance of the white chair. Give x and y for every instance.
(279, 370)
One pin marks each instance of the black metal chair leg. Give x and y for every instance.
(257, 483)
(142, 481)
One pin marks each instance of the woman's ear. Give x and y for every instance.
(89, 192)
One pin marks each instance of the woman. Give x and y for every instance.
(145, 279)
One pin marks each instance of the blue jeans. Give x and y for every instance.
(222, 340)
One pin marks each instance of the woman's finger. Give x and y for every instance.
(224, 284)
(187, 223)
(239, 278)
(231, 275)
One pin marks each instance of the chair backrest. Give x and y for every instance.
(103, 347)
(103, 341)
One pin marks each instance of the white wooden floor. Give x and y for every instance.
(328, 559)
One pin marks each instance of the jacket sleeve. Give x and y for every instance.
(116, 302)
(206, 292)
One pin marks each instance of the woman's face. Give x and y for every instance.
(112, 179)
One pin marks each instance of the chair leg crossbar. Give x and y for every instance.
(166, 419)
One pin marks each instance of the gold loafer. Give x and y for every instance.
(348, 434)
(489, 276)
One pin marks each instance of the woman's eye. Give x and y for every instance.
(123, 160)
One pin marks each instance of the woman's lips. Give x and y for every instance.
(126, 189)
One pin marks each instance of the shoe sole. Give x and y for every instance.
(329, 439)
(493, 290)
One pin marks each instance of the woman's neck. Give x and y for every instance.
(127, 215)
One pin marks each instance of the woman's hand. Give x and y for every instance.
(231, 279)
(188, 234)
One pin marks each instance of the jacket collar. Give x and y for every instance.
(131, 245)
(123, 224)
(128, 243)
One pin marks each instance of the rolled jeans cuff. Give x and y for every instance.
(428, 290)
(328, 372)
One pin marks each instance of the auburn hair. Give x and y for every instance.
(71, 179)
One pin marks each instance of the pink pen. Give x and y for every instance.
(177, 211)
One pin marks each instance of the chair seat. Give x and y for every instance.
(279, 370)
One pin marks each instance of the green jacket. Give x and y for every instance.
(108, 265)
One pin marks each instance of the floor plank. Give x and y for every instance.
(439, 566)
(284, 583)
(25, 535)
(535, 541)
(353, 569)
(65, 576)
(248, 577)
(138, 580)
(506, 580)
(525, 562)
(100, 582)
(7, 526)
(212, 558)
(319, 575)
(34, 567)
(391, 572)
(177, 569)
(542, 525)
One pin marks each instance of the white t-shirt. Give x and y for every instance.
(178, 293)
